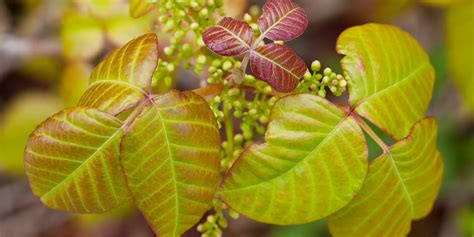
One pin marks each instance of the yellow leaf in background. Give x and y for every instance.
(74, 82)
(81, 35)
(139, 8)
(18, 120)
(121, 27)
(460, 43)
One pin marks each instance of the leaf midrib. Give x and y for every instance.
(274, 63)
(344, 119)
(168, 145)
(236, 36)
(86, 161)
(279, 21)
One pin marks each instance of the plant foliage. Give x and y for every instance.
(163, 151)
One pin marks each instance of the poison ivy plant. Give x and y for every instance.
(87, 160)
(278, 65)
(163, 152)
(314, 160)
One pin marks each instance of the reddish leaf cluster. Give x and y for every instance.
(278, 65)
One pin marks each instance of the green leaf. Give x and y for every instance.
(139, 8)
(391, 76)
(401, 186)
(461, 48)
(124, 77)
(313, 163)
(171, 160)
(81, 35)
(18, 119)
(72, 161)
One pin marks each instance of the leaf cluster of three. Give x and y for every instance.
(123, 143)
(313, 165)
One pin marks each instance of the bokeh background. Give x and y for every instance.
(49, 47)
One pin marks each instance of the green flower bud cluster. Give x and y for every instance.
(252, 18)
(251, 109)
(317, 82)
(221, 67)
(216, 222)
(185, 21)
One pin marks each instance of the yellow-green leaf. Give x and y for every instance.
(81, 35)
(19, 118)
(171, 161)
(401, 186)
(312, 164)
(124, 77)
(139, 8)
(460, 38)
(72, 161)
(391, 76)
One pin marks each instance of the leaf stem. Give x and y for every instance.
(370, 132)
(229, 129)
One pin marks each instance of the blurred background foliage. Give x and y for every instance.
(49, 47)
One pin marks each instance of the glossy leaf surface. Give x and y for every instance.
(230, 38)
(139, 8)
(282, 20)
(72, 161)
(312, 164)
(401, 186)
(391, 76)
(124, 77)
(171, 160)
(278, 65)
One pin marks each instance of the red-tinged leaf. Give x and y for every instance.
(282, 20)
(278, 65)
(230, 38)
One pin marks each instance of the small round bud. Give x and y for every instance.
(267, 90)
(333, 89)
(307, 75)
(247, 18)
(168, 51)
(327, 71)
(212, 69)
(234, 92)
(315, 66)
(238, 138)
(343, 83)
(322, 92)
(217, 99)
(334, 82)
(263, 119)
(238, 114)
(194, 25)
(250, 79)
(211, 218)
(204, 13)
(170, 67)
(201, 59)
(227, 65)
(326, 79)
